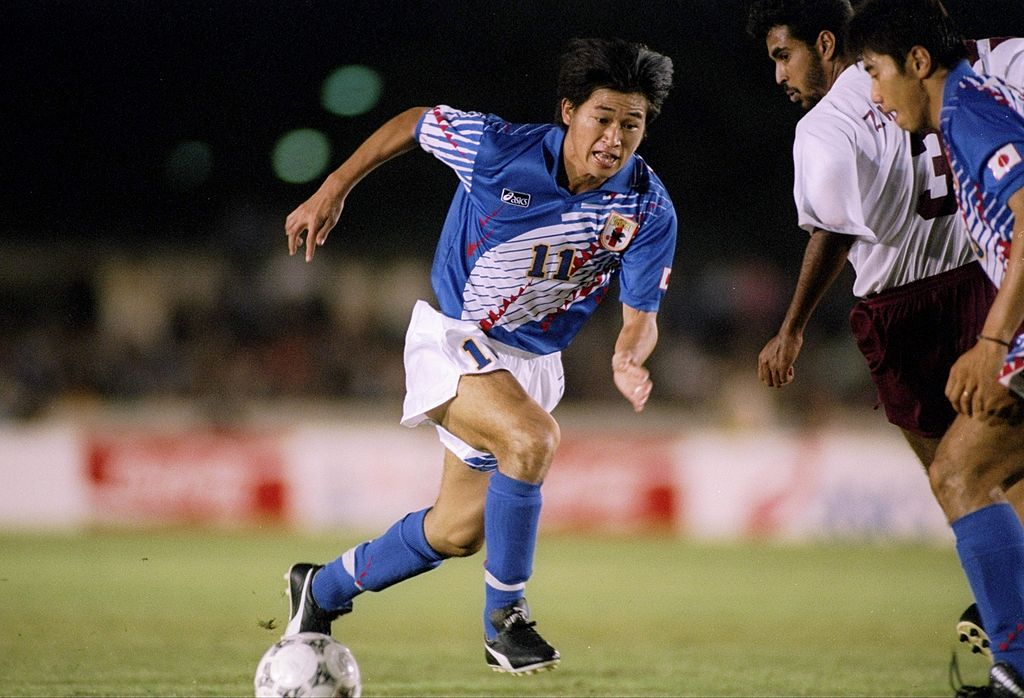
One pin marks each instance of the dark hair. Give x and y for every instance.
(893, 27)
(805, 19)
(591, 64)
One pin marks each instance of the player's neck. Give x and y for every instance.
(935, 86)
(835, 68)
(577, 182)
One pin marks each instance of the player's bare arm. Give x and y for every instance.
(824, 258)
(314, 219)
(972, 387)
(636, 341)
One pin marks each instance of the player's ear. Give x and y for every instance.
(826, 45)
(919, 62)
(567, 110)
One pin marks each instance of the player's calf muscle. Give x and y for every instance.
(454, 539)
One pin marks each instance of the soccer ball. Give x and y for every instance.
(307, 664)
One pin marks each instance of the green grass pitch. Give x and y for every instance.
(180, 613)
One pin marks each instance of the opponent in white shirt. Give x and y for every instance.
(869, 193)
(858, 174)
(1002, 56)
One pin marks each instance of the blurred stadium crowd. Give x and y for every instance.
(219, 330)
(135, 264)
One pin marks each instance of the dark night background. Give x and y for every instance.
(96, 94)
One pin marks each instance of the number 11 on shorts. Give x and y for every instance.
(482, 360)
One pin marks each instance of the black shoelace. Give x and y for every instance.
(522, 631)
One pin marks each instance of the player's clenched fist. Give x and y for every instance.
(775, 362)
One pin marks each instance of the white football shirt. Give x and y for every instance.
(1002, 57)
(857, 173)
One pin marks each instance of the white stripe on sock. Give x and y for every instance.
(348, 561)
(496, 583)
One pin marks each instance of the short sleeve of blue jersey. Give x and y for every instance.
(455, 137)
(989, 137)
(647, 262)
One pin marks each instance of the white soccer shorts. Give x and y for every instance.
(440, 350)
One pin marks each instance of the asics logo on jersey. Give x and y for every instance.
(516, 198)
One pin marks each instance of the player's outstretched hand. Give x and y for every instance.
(972, 387)
(775, 362)
(315, 218)
(632, 380)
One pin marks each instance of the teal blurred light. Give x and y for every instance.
(189, 164)
(301, 155)
(351, 90)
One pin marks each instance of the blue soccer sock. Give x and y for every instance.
(402, 552)
(511, 515)
(990, 542)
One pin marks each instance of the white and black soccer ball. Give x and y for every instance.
(308, 665)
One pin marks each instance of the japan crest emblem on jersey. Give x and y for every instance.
(618, 232)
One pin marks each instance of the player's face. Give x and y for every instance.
(602, 135)
(898, 92)
(798, 67)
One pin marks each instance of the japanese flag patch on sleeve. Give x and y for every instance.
(1003, 161)
(665, 273)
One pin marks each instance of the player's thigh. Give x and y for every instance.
(492, 412)
(455, 524)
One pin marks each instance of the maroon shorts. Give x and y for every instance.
(912, 335)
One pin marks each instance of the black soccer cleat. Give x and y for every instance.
(970, 631)
(1003, 682)
(306, 616)
(518, 649)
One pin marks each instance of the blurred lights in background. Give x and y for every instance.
(189, 164)
(301, 156)
(351, 90)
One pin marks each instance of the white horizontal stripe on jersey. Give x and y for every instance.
(447, 141)
(443, 150)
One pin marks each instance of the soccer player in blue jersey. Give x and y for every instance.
(916, 59)
(546, 215)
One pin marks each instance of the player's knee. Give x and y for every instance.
(948, 482)
(530, 447)
(961, 481)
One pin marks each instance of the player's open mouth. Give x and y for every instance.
(794, 95)
(606, 159)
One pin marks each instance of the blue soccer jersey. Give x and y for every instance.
(982, 121)
(520, 255)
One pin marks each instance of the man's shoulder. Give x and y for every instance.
(645, 181)
(975, 96)
(969, 87)
(502, 129)
(506, 139)
(830, 122)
